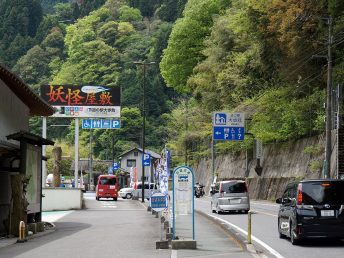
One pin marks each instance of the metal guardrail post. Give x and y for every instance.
(249, 240)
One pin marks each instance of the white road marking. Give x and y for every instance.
(174, 254)
(266, 246)
(110, 206)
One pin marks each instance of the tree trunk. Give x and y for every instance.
(57, 153)
(19, 211)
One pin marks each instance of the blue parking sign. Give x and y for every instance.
(146, 160)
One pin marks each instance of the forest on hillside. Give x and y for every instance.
(267, 58)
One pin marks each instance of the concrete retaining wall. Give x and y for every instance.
(61, 199)
(281, 163)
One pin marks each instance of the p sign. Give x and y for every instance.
(146, 160)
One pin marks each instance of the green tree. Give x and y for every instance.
(185, 45)
(18, 25)
(129, 14)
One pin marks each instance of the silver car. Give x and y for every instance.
(148, 190)
(126, 193)
(230, 195)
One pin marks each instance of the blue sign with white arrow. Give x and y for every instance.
(146, 160)
(101, 124)
(228, 133)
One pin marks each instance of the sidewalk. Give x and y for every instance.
(48, 217)
(213, 240)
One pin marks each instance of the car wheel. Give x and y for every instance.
(217, 210)
(128, 196)
(115, 199)
(293, 239)
(211, 207)
(279, 230)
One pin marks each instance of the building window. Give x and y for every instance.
(131, 163)
(136, 153)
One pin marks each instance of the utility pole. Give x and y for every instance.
(143, 63)
(328, 151)
(328, 128)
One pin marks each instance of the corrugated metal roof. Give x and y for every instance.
(152, 153)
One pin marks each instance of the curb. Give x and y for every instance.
(236, 235)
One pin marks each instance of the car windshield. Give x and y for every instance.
(107, 181)
(319, 193)
(233, 187)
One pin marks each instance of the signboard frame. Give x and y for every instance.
(83, 100)
(228, 126)
(162, 201)
(176, 171)
(114, 123)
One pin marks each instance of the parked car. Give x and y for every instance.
(230, 195)
(312, 209)
(126, 193)
(149, 189)
(107, 187)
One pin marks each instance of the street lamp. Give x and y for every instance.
(143, 64)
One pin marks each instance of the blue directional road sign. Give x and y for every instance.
(228, 133)
(115, 166)
(146, 160)
(101, 124)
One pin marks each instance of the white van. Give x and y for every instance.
(148, 188)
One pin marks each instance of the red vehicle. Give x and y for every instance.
(107, 187)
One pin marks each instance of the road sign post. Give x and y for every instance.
(158, 202)
(183, 203)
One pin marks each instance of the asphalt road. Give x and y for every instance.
(265, 236)
(120, 229)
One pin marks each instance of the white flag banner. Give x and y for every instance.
(131, 176)
(162, 170)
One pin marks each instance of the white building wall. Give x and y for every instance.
(61, 199)
(13, 113)
(138, 159)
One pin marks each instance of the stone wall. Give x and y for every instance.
(281, 163)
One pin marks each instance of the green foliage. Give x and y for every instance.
(48, 5)
(280, 115)
(185, 45)
(129, 14)
(18, 25)
(315, 165)
(89, 6)
(247, 56)
(314, 150)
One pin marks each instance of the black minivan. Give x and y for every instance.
(312, 209)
